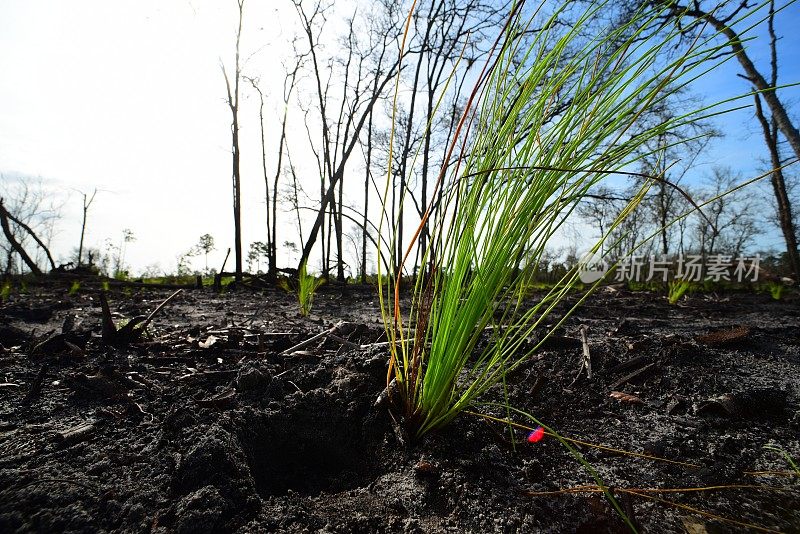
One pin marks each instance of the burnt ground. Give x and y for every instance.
(204, 426)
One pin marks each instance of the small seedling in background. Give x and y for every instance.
(677, 288)
(304, 287)
(307, 285)
(74, 288)
(776, 289)
(5, 291)
(106, 286)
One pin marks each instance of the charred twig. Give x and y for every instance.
(159, 308)
(385, 343)
(633, 375)
(76, 434)
(208, 374)
(343, 341)
(331, 332)
(633, 362)
(537, 387)
(221, 401)
(285, 372)
(587, 357)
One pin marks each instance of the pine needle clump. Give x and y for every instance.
(556, 109)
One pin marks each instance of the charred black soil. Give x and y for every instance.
(206, 424)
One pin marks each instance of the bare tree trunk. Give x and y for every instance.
(366, 202)
(330, 194)
(326, 243)
(288, 87)
(233, 103)
(308, 26)
(664, 222)
(406, 149)
(296, 201)
(339, 241)
(784, 204)
(360, 97)
(254, 83)
(83, 224)
(4, 218)
(337, 212)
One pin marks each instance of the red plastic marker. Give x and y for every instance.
(536, 435)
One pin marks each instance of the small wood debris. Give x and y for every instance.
(630, 364)
(107, 383)
(724, 337)
(132, 331)
(756, 403)
(625, 398)
(76, 434)
(36, 385)
(638, 374)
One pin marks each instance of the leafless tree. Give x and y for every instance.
(119, 267)
(369, 64)
(26, 214)
(449, 37)
(729, 224)
(770, 130)
(600, 209)
(233, 104)
(668, 158)
(289, 83)
(254, 82)
(712, 16)
(87, 202)
(15, 246)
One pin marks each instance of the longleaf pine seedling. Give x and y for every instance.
(776, 290)
(556, 109)
(676, 290)
(74, 288)
(5, 291)
(307, 285)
